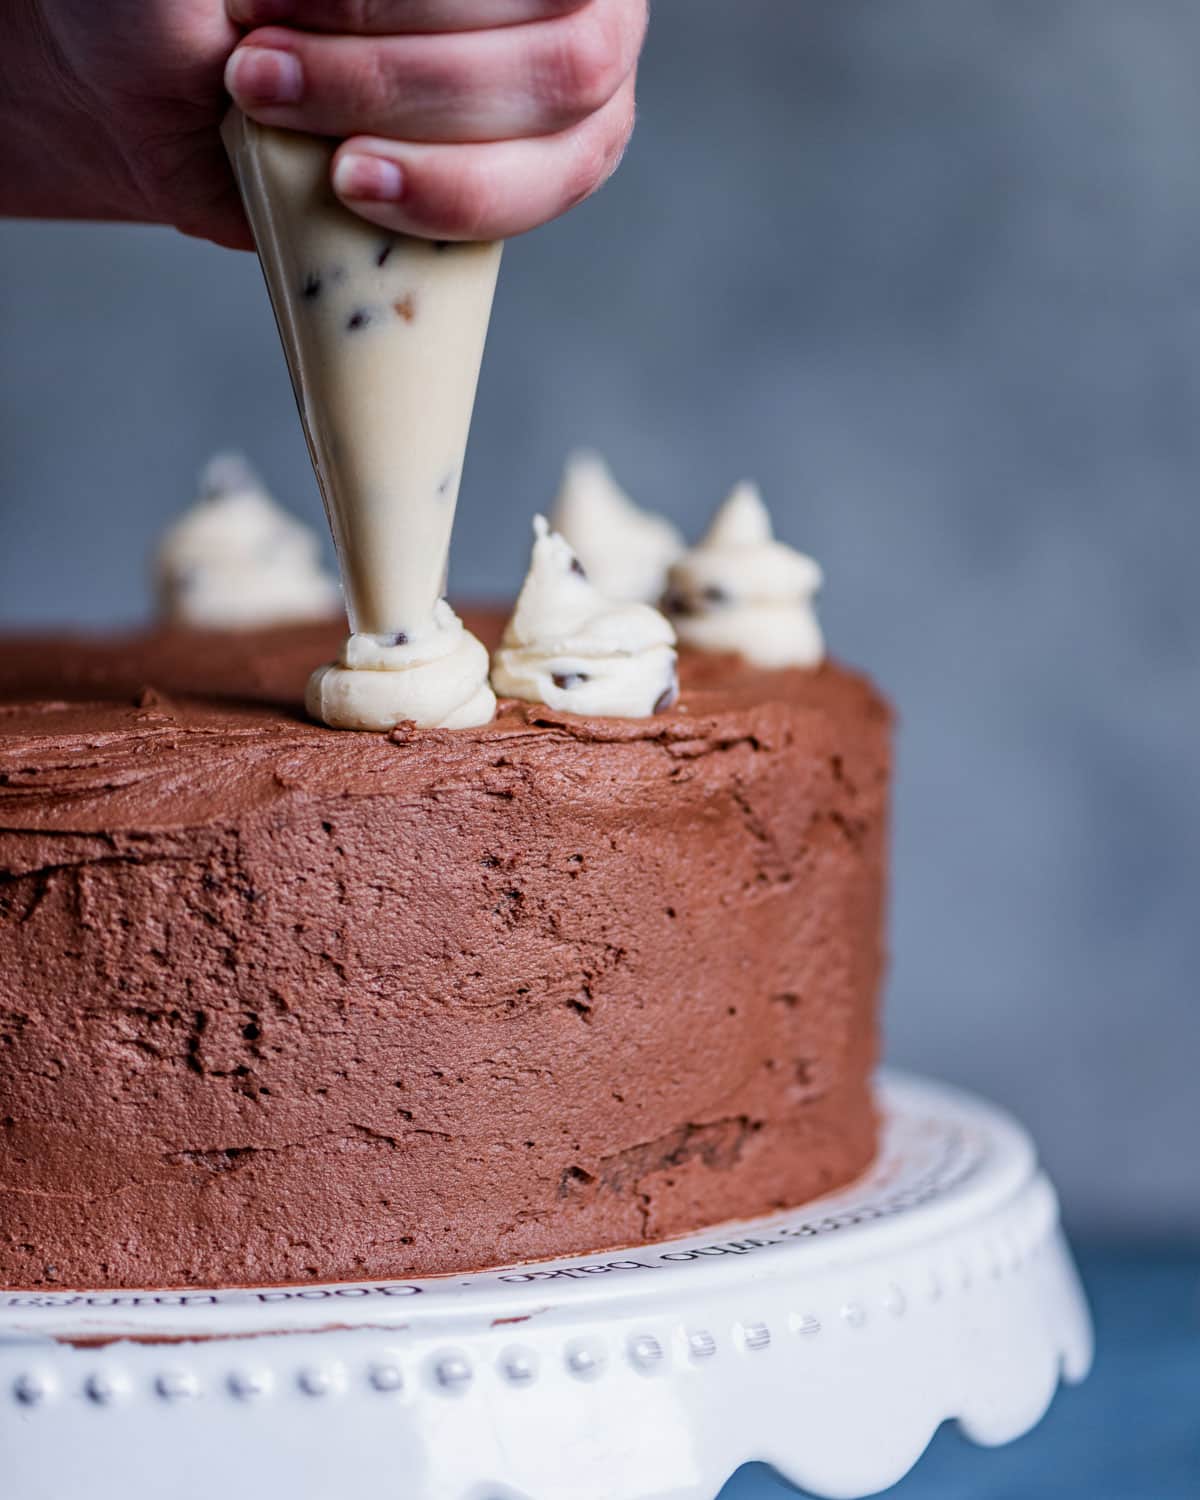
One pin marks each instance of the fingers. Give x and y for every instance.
(479, 132)
(396, 17)
(482, 191)
(495, 85)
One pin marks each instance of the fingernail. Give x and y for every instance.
(262, 75)
(368, 177)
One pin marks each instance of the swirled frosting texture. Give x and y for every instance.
(436, 678)
(626, 550)
(568, 646)
(237, 560)
(740, 590)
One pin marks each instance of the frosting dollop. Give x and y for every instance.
(237, 559)
(625, 549)
(435, 677)
(571, 648)
(741, 590)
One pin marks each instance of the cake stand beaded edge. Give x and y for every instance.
(829, 1342)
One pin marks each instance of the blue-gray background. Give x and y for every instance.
(931, 271)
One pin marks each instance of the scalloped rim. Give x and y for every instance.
(829, 1343)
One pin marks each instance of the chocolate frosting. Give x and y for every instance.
(281, 1003)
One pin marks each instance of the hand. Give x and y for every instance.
(465, 118)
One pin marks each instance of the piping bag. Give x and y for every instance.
(384, 337)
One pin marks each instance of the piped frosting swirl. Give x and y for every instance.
(237, 560)
(625, 549)
(436, 678)
(570, 647)
(742, 591)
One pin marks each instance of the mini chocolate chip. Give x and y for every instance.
(713, 594)
(312, 286)
(667, 697)
(359, 318)
(577, 567)
(568, 680)
(400, 639)
(385, 251)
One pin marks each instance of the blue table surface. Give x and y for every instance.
(1130, 1432)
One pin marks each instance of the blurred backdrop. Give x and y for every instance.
(931, 272)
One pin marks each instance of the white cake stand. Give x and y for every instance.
(829, 1342)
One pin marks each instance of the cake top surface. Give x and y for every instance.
(170, 728)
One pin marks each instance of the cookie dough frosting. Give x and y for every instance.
(384, 337)
(237, 560)
(569, 647)
(626, 550)
(437, 679)
(742, 591)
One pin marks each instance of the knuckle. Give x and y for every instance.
(586, 61)
(464, 205)
(387, 89)
(369, 84)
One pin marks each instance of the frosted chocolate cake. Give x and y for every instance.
(282, 1003)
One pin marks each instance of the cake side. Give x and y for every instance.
(282, 1004)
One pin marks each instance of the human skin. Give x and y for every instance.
(459, 119)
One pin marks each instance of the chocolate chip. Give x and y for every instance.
(312, 286)
(400, 639)
(577, 567)
(568, 680)
(384, 252)
(359, 318)
(668, 697)
(676, 604)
